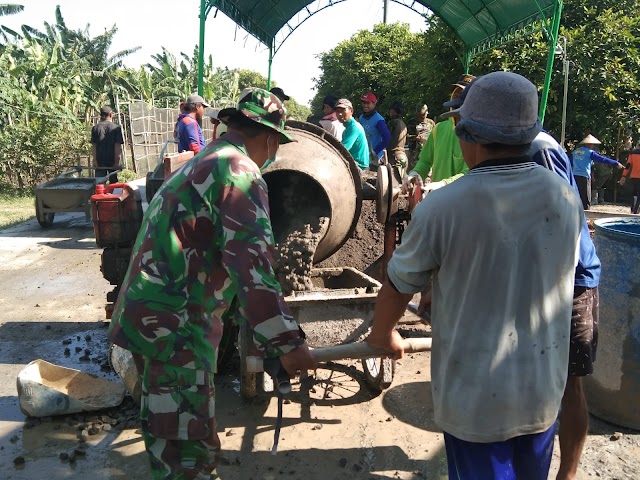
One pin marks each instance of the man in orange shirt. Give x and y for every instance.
(632, 171)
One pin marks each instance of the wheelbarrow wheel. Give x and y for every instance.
(250, 382)
(44, 219)
(378, 372)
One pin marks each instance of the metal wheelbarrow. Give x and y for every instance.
(68, 192)
(335, 316)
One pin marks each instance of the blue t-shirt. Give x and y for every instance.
(354, 140)
(583, 159)
(377, 132)
(547, 152)
(190, 135)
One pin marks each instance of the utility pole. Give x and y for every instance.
(562, 51)
(385, 9)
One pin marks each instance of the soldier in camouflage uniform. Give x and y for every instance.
(205, 243)
(418, 133)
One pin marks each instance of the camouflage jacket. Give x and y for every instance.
(205, 239)
(418, 134)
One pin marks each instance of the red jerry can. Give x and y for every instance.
(116, 211)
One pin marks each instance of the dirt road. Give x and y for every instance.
(334, 428)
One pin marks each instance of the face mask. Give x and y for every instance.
(270, 158)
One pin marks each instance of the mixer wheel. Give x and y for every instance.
(378, 372)
(384, 192)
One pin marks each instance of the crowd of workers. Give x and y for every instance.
(503, 223)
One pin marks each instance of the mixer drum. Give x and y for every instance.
(314, 177)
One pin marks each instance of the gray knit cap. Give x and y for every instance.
(500, 107)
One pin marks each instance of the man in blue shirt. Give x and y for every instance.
(353, 136)
(190, 135)
(574, 416)
(583, 158)
(375, 127)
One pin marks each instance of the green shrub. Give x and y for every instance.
(127, 175)
(35, 152)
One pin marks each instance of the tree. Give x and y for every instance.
(251, 78)
(10, 9)
(603, 43)
(369, 61)
(604, 84)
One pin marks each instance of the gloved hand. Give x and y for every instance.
(432, 186)
(413, 178)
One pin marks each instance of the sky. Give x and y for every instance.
(152, 24)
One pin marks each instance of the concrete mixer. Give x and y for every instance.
(312, 178)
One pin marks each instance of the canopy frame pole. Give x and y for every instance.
(205, 8)
(466, 60)
(553, 41)
(270, 63)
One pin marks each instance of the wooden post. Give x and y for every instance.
(120, 122)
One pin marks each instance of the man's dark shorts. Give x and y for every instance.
(584, 331)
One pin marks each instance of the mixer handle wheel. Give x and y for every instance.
(384, 194)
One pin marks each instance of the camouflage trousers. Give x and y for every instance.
(399, 162)
(414, 156)
(178, 424)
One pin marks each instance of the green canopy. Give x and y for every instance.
(480, 24)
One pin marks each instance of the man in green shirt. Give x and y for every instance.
(353, 138)
(441, 154)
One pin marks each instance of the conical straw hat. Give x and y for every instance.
(590, 140)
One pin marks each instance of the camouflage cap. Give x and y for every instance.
(262, 107)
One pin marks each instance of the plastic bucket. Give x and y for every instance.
(46, 389)
(613, 391)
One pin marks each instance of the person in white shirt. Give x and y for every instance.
(501, 243)
(330, 121)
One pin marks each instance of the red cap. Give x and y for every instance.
(369, 97)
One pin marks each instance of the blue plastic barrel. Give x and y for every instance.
(613, 391)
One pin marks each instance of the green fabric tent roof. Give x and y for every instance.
(478, 23)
